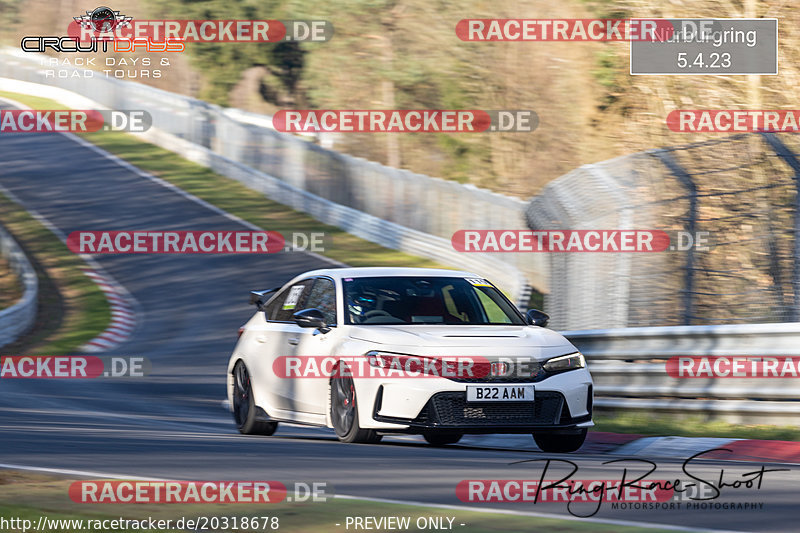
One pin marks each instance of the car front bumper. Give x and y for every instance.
(562, 401)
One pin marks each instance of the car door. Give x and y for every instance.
(312, 392)
(276, 338)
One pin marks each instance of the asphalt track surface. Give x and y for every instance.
(171, 425)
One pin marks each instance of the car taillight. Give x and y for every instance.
(241, 330)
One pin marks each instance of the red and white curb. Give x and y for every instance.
(123, 317)
(727, 449)
(724, 449)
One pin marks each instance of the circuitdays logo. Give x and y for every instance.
(102, 20)
(95, 31)
(108, 30)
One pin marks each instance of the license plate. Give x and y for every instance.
(499, 393)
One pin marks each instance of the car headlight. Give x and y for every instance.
(382, 359)
(565, 362)
(398, 361)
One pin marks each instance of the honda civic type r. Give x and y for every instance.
(371, 351)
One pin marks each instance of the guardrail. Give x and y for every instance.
(17, 319)
(393, 207)
(629, 370)
(353, 221)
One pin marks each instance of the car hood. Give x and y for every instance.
(498, 338)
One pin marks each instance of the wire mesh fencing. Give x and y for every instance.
(730, 208)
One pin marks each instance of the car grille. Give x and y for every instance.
(452, 409)
(532, 372)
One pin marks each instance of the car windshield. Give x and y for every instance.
(426, 300)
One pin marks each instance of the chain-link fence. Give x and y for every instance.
(738, 195)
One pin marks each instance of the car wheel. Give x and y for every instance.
(560, 442)
(442, 439)
(244, 406)
(344, 413)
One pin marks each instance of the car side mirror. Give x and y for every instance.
(537, 318)
(311, 318)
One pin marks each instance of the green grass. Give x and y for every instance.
(688, 426)
(10, 285)
(72, 309)
(235, 198)
(30, 496)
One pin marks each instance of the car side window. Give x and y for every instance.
(323, 297)
(289, 302)
(269, 309)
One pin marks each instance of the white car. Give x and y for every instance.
(441, 353)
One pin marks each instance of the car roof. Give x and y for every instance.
(374, 272)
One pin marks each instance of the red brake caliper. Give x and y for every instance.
(347, 400)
